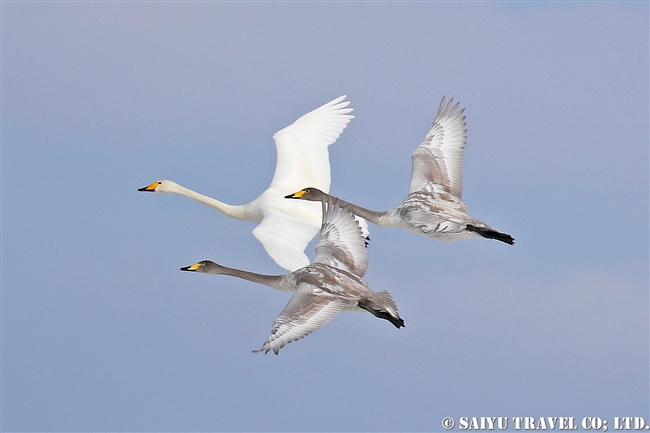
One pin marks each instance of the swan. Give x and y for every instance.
(433, 206)
(332, 283)
(285, 229)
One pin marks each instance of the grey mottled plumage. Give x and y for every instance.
(332, 283)
(433, 206)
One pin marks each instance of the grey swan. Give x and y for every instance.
(433, 206)
(332, 283)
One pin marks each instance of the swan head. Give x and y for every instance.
(204, 266)
(160, 186)
(311, 194)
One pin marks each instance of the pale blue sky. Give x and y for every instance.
(100, 329)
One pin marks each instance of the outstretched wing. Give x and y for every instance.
(303, 158)
(308, 309)
(342, 244)
(438, 161)
(286, 229)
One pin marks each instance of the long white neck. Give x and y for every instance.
(243, 212)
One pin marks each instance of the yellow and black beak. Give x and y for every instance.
(297, 195)
(192, 268)
(150, 188)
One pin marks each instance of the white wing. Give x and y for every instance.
(303, 158)
(286, 229)
(438, 161)
(342, 245)
(308, 309)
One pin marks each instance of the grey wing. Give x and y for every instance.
(438, 161)
(342, 244)
(308, 310)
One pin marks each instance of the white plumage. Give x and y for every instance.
(285, 228)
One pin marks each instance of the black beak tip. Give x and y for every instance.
(144, 188)
(185, 268)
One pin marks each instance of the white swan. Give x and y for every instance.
(286, 228)
(433, 206)
(332, 283)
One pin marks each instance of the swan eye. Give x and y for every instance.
(202, 263)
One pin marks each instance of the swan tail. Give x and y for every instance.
(383, 306)
(492, 234)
